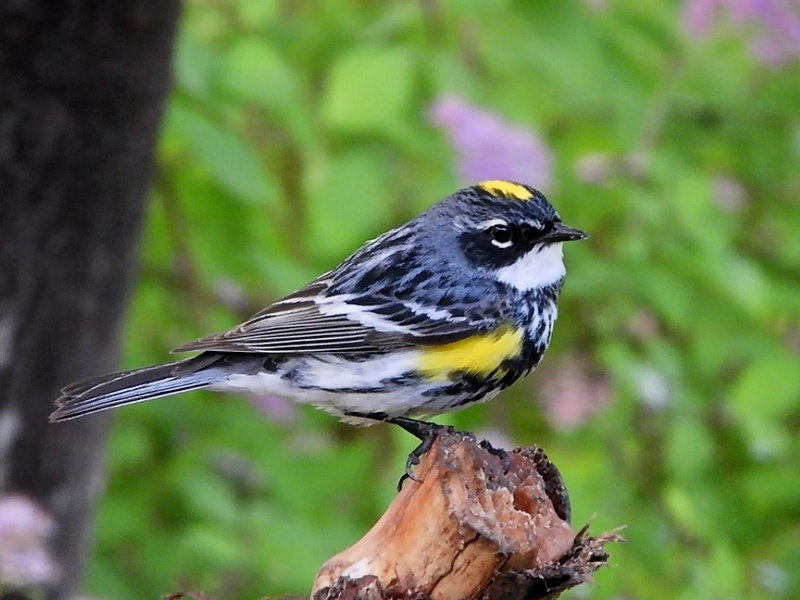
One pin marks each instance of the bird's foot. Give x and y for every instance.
(423, 430)
(426, 432)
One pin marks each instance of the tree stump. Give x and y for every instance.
(479, 523)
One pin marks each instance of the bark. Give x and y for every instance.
(82, 88)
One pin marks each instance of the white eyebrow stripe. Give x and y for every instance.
(534, 223)
(492, 223)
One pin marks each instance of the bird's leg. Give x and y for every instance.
(423, 430)
(426, 432)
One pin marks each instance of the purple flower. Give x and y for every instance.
(275, 408)
(572, 390)
(778, 22)
(24, 554)
(596, 5)
(488, 147)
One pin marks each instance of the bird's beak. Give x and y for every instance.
(562, 233)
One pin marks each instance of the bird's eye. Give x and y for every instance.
(502, 235)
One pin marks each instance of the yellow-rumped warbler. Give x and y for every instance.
(430, 317)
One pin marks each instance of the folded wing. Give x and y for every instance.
(309, 321)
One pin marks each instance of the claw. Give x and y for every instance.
(423, 430)
(426, 432)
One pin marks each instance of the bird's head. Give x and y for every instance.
(507, 230)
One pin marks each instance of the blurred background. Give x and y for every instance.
(670, 398)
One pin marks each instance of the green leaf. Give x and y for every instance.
(132, 447)
(767, 391)
(350, 205)
(255, 71)
(689, 448)
(213, 548)
(768, 386)
(743, 284)
(207, 497)
(369, 90)
(682, 507)
(196, 67)
(257, 13)
(226, 155)
(722, 574)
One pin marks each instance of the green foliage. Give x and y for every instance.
(297, 130)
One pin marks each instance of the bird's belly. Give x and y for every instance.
(390, 385)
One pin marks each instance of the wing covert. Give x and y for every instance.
(309, 321)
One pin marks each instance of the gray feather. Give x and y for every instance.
(128, 387)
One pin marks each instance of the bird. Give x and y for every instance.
(432, 316)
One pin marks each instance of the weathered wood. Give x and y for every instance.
(480, 523)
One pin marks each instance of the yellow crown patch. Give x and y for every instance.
(505, 189)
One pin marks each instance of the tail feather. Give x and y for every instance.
(78, 387)
(127, 387)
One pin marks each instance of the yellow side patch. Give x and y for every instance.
(479, 355)
(506, 189)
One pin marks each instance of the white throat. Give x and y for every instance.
(540, 267)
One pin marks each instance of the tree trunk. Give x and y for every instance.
(82, 88)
